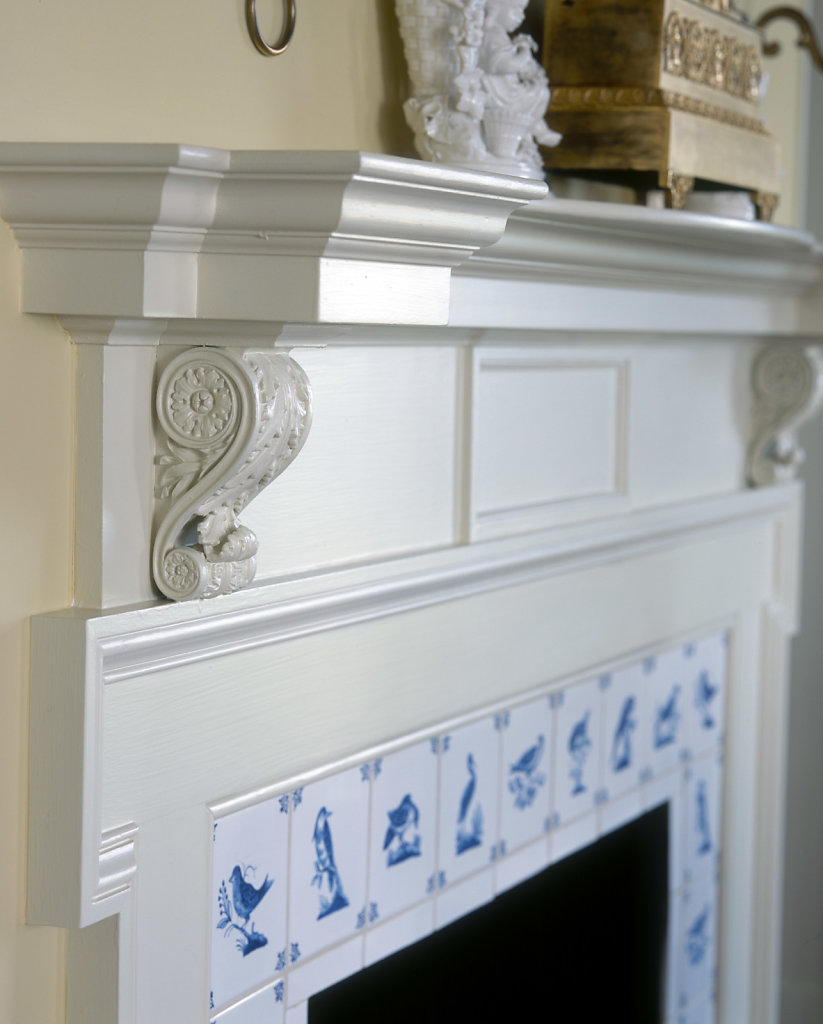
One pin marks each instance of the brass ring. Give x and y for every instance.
(289, 20)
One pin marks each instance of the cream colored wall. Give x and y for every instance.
(157, 70)
(785, 112)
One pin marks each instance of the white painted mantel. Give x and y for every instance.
(533, 423)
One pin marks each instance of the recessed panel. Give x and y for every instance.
(548, 434)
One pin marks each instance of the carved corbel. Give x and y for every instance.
(787, 380)
(229, 423)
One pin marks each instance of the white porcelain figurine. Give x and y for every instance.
(479, 96)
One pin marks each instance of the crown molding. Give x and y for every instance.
(169, 231)
(618, 244)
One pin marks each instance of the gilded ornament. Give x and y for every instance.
(716, 76)
(736, 68)
(696, 51)
(673, 46)
(667, 90)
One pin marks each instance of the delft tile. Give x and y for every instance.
(325, 970)
(403, 829)
(625, 728)
(264, 1007)
(526, 733)
(669, 789)
(702, 1012)
(578, 755)
(249, 893)
(569, 839)
(401, 931)
(671, 1001)
(525, 863)
(619, 811)
(667, 697)
(298, 1014)
(706, 662)
(696, 954)
(329, 838)
(461, 899)
(469, 774)
(703, 815)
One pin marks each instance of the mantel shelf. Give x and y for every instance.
(172, 236)
(166, 231)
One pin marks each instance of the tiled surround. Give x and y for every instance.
(331, 874)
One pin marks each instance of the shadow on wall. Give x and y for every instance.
(395, 135)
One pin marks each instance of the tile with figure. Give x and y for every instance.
(469, 773)
(248, 894)
(525, 785)
(667, 696)
(578, 749)
(706, 671)
(703, 815)
(697, 940)
(625, 728)
(328, 862)
(403, 829)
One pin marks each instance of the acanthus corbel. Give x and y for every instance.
(787, 380)
(229, 423)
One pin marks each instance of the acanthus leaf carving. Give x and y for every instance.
(787, 380)
(229, 423)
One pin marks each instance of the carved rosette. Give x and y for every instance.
(787, 380)
(229, 424)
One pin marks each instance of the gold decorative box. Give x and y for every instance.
(671, 87)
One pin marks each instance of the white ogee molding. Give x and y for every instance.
(156, 230)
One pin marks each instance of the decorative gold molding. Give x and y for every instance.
(701, 54)
(607, 97)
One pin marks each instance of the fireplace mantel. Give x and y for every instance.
(517, 439)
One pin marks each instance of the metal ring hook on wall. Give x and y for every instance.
(289, 20)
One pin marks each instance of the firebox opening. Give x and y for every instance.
(584, 940)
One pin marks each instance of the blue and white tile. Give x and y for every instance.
(702, 1012)
(329, 842)
(578, 754)
(464, 897)
(625, 727)
(668, 697)
(469, 774)
(521, 865)
(672, 969)
(619, 811)
(568, 839)
(696, 954)
(403, 829)
(324, 970)
(249, 894)
(670, 789)
(703, 815)
(399, 932)
(706, 662)
(298, 1014)
(264, 1007)
(526, 732)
